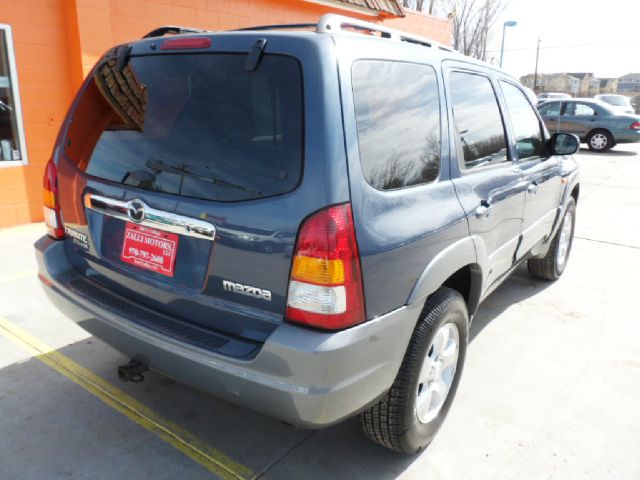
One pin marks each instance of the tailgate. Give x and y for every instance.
(182, 181)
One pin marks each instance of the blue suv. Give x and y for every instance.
(301, 220)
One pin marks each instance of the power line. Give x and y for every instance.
(577, 45)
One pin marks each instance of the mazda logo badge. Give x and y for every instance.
(135, 210)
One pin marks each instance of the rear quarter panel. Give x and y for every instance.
(399, 232)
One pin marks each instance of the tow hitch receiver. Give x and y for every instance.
(132, 371)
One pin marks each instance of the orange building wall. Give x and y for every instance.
(40, 44)
(58, 41)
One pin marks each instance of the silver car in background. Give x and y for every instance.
(618, 103)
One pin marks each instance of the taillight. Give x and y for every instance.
(325, 288)
(635, 126)
(51, 202)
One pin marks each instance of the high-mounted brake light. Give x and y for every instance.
(51, 202)
(185, 43)
(635, 126)
(325, 288)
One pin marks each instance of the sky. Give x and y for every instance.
(602, 37)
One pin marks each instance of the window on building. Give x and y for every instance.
(526, 127)
(12, 148)
(398, 128)
(477, 119)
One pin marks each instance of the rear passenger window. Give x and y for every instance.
(578, 110)
(398, 119)
(526, 127)
(477, 119)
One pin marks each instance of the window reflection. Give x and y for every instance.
(525, 124)
(477, 119)
(192, 124)
(398, 119)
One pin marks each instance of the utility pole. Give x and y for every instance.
(535, 75)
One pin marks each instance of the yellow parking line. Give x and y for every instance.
(179, 438)
(17, 276)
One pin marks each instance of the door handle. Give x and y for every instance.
(532, 188)
(484, 210)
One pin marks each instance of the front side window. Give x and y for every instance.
(477, 119)
(398, 120)
(12, 147)
(551, 108)
(526, 128)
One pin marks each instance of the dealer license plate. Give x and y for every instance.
(149, 248)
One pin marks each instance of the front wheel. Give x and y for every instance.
(551, 266)
(412, 411)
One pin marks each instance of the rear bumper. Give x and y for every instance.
(303, 377)
(626, 136)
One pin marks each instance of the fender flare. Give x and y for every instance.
(572, 180)
(459, 254)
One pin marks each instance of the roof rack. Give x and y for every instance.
(277, 27)
(333, 23)
(174, 29)
(329, 23)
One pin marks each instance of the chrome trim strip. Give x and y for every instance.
(150, 217)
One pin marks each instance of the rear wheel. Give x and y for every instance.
(412, 411)
(551, 266)
(600, 141)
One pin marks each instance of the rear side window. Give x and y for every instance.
(195, 125)
(477, 119)
(578, 110)
(398, 119)
(524, 121)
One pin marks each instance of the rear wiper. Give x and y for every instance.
(160, 166)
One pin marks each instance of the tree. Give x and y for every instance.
(473, 22)
(420, 5)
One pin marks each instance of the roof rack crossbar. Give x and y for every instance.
(276, 27)
(175, 29)
(333, 23)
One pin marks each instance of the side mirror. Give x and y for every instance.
(564, 144)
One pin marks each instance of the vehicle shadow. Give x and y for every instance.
(614, 152)
(518, 287)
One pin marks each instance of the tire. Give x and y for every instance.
(551, 266)
(599, 141)
(394, 421)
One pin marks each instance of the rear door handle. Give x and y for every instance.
(484, 210)
(532, 188)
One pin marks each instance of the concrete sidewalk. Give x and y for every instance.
(550, 387)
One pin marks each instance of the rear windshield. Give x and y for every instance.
(196, 125)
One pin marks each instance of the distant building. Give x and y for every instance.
(629, 83)
(608, 85)
(553, 82)
(589, 85)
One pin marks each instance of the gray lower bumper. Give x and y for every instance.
(304, 377)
